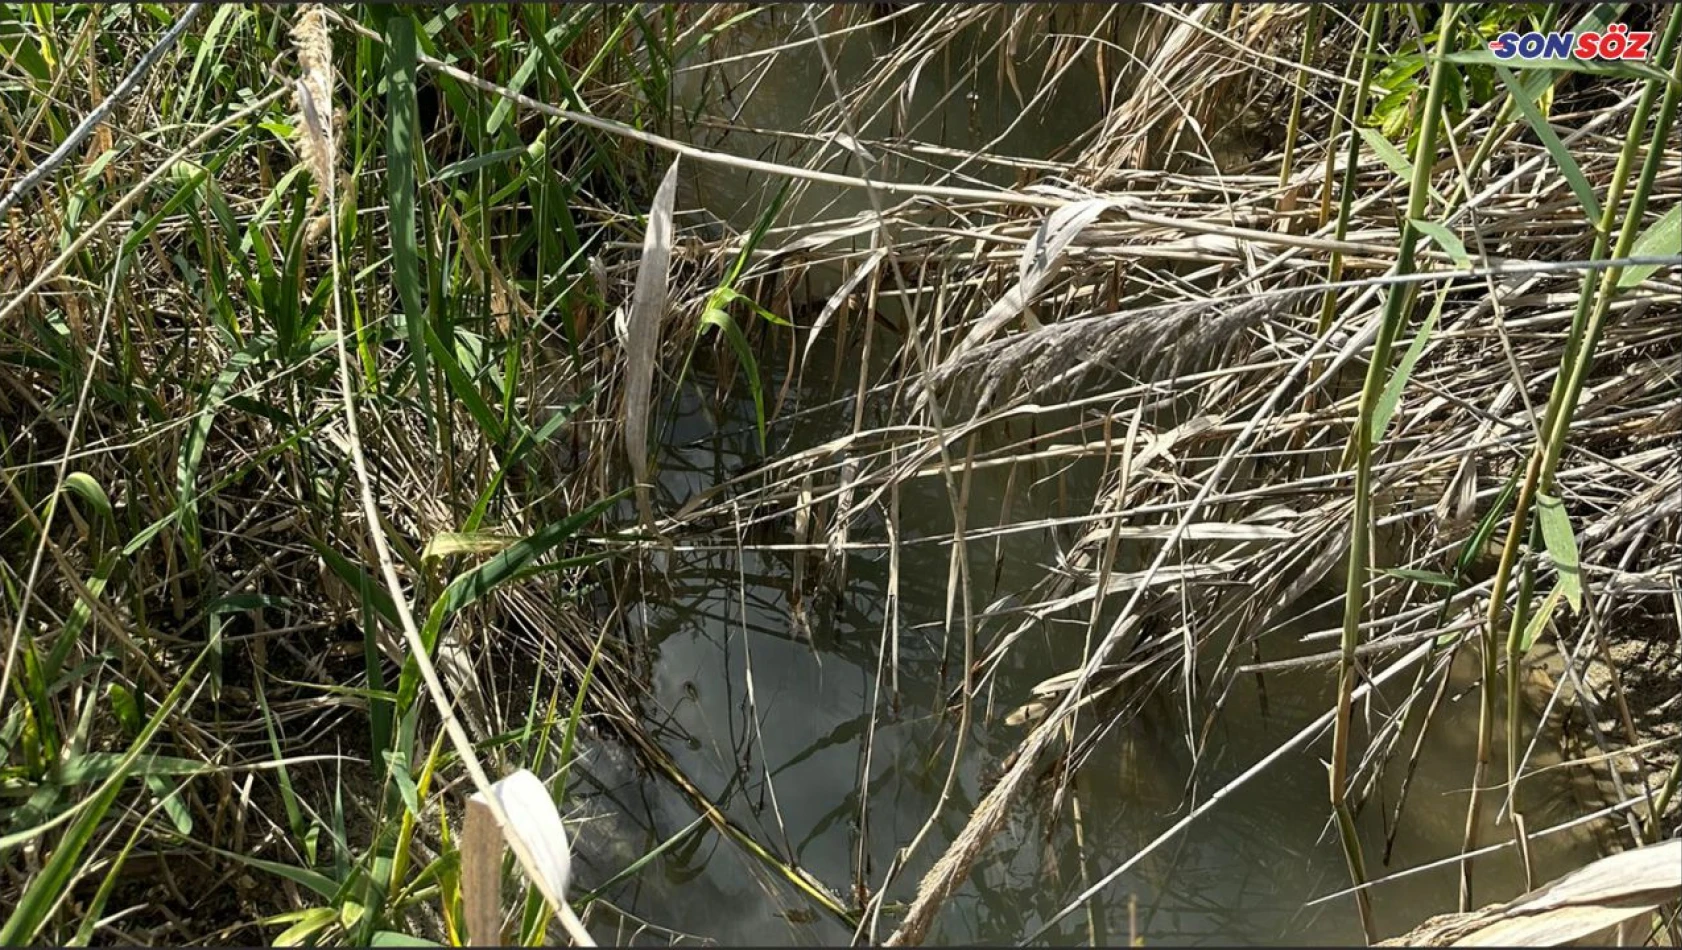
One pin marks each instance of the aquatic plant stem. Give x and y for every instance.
(957, 493)
(1310, 38)
(1351, 165)
(1572, 377)
(1361, 524)
(1593, 304)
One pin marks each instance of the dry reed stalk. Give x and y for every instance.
(1587, 906)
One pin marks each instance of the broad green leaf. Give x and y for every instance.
(1473, 547)
(1391, 156)
(1561, 155)
(1562, 547)
(1663, 238)
(403, 148)
(1445, 239)
(1393, 388)
(397, 765)
(179, 814)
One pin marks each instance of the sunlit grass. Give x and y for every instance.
(262, 400)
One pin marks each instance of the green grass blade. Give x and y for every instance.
(44, 892)
(198, 435)
(1557, 150)
(462, 385)
(1391, 156)
(1562, 547)
(1445, 239)
(744, 354)
(1393, 388)
(468, 587)
(403, 148)
(1664, 237)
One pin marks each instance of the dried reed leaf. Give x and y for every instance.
(1040, 262)
(534, 823)
(642, 335)
(1579, 906)
(833, 304)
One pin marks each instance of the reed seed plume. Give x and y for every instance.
(312, 45)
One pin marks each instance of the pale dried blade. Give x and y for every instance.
(642, 337)
(1040, 262)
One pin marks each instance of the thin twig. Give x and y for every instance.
(99, 113)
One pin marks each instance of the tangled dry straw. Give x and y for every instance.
(1158, 303)
(1197, 301)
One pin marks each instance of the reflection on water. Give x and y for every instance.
(776, 728)
(980, 112)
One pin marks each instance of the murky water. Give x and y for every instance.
(802, 742)
(982, 112)
(780, 704)
(766, 86)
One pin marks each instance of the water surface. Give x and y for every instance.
(793, 728)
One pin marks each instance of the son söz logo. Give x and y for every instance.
(1618, 42)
